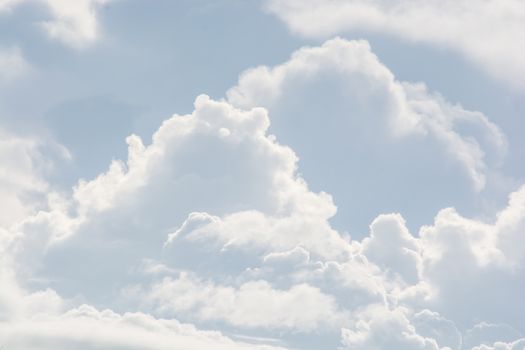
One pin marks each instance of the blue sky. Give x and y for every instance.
(270, 174)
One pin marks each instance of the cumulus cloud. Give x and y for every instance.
(391, 247)
(213, 223)
(404, 108)
(486, 32)
(191, 157)
(372, 124)
(451, 259)
(385, 329)
(189, 153)
(462, 255)
(73, 23)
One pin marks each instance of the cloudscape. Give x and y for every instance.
(262, 174)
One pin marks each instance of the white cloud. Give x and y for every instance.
(376, 105)
(195, 151)
(15, 302)
(74, 23)
(463, 264)
(254, 304)
(217, 196)
(486, 32)
(191, 164)
(116, 220)
(517, 345)
(379, 329)
(20, 177)
(87, 328)
(254, 230)
(391, 247)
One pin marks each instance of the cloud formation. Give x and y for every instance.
(213, 224)
(407, 108)
(373, 123)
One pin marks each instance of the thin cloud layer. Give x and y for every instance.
(87, 328)
(12, 64)
(74, 23)
(485, 32)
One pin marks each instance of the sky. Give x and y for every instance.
(262, 174)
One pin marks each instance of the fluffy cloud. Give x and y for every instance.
(451, 259)
(372, 124)
(212, 149)
(391, 247)
(486, 32)
(73, 23)
(219, 160)
(463, 255)
(189, 154)
(213, 223)
(385, 329)
(18, 304)
(302, 307)
(255, 230)
(207, 154)
(404, 108)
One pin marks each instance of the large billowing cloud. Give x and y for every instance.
(217, 159)
(213, 224)
(372, 124)
(486, 32)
